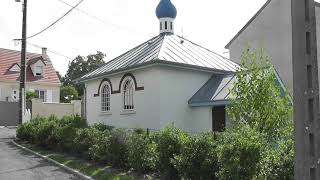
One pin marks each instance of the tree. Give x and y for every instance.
(259, 100)
(30, 95)
(259, 144)
(80, 66)
(68, 93)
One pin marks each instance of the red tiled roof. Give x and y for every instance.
(9, 57)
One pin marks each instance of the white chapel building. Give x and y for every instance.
(167, 79)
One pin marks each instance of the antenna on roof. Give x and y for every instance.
(181, 40)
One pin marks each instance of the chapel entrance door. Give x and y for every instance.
(218, 118)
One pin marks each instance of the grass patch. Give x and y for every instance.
(88, 168)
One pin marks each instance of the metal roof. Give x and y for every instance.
(166, 48)
(215, 90)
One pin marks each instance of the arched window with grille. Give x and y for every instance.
(105, 98)
(128, 89)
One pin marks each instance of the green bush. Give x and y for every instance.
(43, 133)
(198, 158)
(239, 153)
(118, 148)
(84, 139)
(65, 131)
(278, 162)
(25, 132)
(98, 150)
(142, 155)
(169, 143)
(73, 121)
(102, 127)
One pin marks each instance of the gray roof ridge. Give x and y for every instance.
(161, 48)
(248, 23)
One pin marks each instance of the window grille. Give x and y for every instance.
(128, 95)
(105, 98)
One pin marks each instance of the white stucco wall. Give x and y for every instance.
(164, 100)
(272, 31)
(145, 107)
(8, 87)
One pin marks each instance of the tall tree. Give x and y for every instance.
(80, 66)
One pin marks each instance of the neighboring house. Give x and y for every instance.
(271, 28)
(167, 79)
(41, 77)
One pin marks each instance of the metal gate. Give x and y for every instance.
(9, 113)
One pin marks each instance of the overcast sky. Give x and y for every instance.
(115, 26)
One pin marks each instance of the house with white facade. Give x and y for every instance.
(41, 76)
(167, 79)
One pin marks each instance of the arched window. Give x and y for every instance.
(128, 95)
(105, 98)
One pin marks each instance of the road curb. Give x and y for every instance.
(73, 171)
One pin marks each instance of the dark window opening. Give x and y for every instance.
(218, 119)
(307, 15)
(160, 25)
(166, 25)
(309, 76)
(311, 145)
(308, 43)
(171, 26)
(310, 110)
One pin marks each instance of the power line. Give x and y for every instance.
(56, 21)
(49, 50)
(104, 21)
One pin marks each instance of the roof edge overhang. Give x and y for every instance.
(209, 103)
(247, 24)
(31, 82)
(155, 62)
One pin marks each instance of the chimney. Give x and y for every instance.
(44, 53)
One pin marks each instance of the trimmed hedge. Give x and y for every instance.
(172, 153)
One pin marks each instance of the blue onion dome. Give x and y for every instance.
(166, 9)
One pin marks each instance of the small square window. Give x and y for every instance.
(39, 70)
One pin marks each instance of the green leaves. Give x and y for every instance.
(260, 100)
(68, 93)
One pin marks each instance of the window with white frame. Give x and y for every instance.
(128, 95)
(105, 98)
(39, 70)
(41, 95)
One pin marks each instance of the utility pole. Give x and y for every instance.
(305, 90)
(22, 98)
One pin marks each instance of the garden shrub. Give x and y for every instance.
(118, 148)
(98, 150)
(102, 127)
(142, 155)
(43, 133)
(84, 139)
(239, 153)
(198, 158)
(278, 162)
(25, 132)
(169, 143)
(73, 121)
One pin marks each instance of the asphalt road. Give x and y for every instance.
(16, 164)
